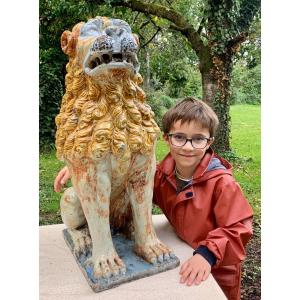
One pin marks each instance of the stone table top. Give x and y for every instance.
(61, 278)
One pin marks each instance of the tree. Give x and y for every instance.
(215, 30)
(55, 17)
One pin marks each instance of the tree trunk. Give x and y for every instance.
(216, 93)
(222, 139)
(209, 88)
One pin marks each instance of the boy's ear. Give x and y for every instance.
(165, 137)
(211, 142)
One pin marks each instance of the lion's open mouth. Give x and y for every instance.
(98, 61)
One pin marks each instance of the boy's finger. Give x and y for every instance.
(56, 185)
(191, 277)
(66, 177)
(199, 277)
(185, 275)
(183, 267)
(205, 275)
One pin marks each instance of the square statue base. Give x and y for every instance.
(136, 267)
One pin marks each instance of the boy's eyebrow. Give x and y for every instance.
(196, 134)
(199, 134)
(178, 133)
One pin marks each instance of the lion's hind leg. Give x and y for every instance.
(73, 217)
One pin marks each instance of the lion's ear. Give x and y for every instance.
(136, 38)
(68, 43)
(68, 40)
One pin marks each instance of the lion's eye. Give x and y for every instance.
(92, 28)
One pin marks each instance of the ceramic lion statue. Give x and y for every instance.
(106, 135)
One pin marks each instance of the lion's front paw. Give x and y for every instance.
(155, 252)
(107, 266)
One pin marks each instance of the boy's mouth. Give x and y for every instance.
(187, 155)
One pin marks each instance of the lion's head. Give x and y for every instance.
(103, 109)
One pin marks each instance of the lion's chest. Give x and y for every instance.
(120, 169)
(130, 179)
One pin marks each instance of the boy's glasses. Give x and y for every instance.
(197, 141)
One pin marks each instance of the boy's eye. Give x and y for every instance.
(179, 137)
(198, 139)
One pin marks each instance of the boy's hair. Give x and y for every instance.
(191, 109)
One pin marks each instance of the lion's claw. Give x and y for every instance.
(155, 253)
(106, 267)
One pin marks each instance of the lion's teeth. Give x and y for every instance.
(97, 61)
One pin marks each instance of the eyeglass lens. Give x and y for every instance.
(180, 140)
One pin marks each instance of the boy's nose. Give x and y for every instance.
(188, 146)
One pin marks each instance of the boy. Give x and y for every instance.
(196, 191)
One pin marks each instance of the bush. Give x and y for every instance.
(193, 86)
(55, 17)
(187, 85)
(246, 85)
(160, 103)
(51, 92)
(166, 101)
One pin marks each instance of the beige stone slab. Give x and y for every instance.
(61, 278)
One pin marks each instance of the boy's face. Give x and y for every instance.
(187, 157)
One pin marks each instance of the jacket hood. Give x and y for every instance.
(211, 165)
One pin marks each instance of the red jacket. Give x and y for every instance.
(212, 212)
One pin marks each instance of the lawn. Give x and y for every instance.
(246, 144)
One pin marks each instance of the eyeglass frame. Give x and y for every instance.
(189, 140)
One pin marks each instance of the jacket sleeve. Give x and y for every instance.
(233, 217)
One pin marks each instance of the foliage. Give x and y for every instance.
(172, 61)
(246, 85)
(193, 86)
(159, 103)
(224, 21)
(51, 91)
(55, 17)
(166, 101)
(249, 53)
(173, 66)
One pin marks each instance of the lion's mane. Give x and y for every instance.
(97, 119)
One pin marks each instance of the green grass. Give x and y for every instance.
(245, 143)
(49, 200)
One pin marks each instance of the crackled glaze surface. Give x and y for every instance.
(106, 134)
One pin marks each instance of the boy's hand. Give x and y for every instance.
(62, 177)
(194, 270)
